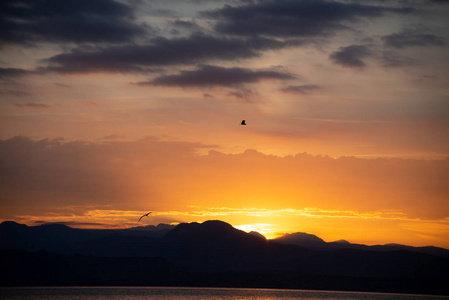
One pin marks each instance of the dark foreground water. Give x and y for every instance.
(163, 293)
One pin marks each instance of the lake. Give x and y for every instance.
(174, 293)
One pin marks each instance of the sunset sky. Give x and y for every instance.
(110, 109)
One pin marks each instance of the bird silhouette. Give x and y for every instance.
(145, 215)
(243, 122)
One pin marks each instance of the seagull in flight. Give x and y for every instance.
(243, 122)
(145, 215)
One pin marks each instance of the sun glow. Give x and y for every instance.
(389, 226)
(264, 229)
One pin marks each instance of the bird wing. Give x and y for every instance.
(145, 215)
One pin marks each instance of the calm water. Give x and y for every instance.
(163, 293)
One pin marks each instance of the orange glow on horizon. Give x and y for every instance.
(370, 201)
(371, 228)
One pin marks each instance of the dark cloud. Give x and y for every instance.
(6, 73)
(351, 56)
(188, 25)
(301, 89)
(196, 48)
(393, 59)
(208, 75)
(293, 18)
(36, 21)
(440, 1)
(411, 38)
(180, 26)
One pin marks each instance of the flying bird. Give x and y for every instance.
(243, 122)
(145, 215)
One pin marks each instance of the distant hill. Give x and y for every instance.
(62, 239)
(311, 241)
(212, 253)
(301, 239)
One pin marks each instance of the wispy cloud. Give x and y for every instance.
(301, 89)
(160, 52)
(212, 212)
(309, 212)
(351, 56)
(32, 105)
(208, 76)
(412, 38)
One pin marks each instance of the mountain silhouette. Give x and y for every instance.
(212, 245)
(301, 239)
(311, 241)
(213, 253)
(341, 242)
(63, 239)
(255, 233)
(214, 232)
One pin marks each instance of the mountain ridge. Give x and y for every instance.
(212, 253)
(214, 227)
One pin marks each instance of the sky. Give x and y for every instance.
(110, 109)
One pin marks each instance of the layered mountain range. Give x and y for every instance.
(212, 253)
